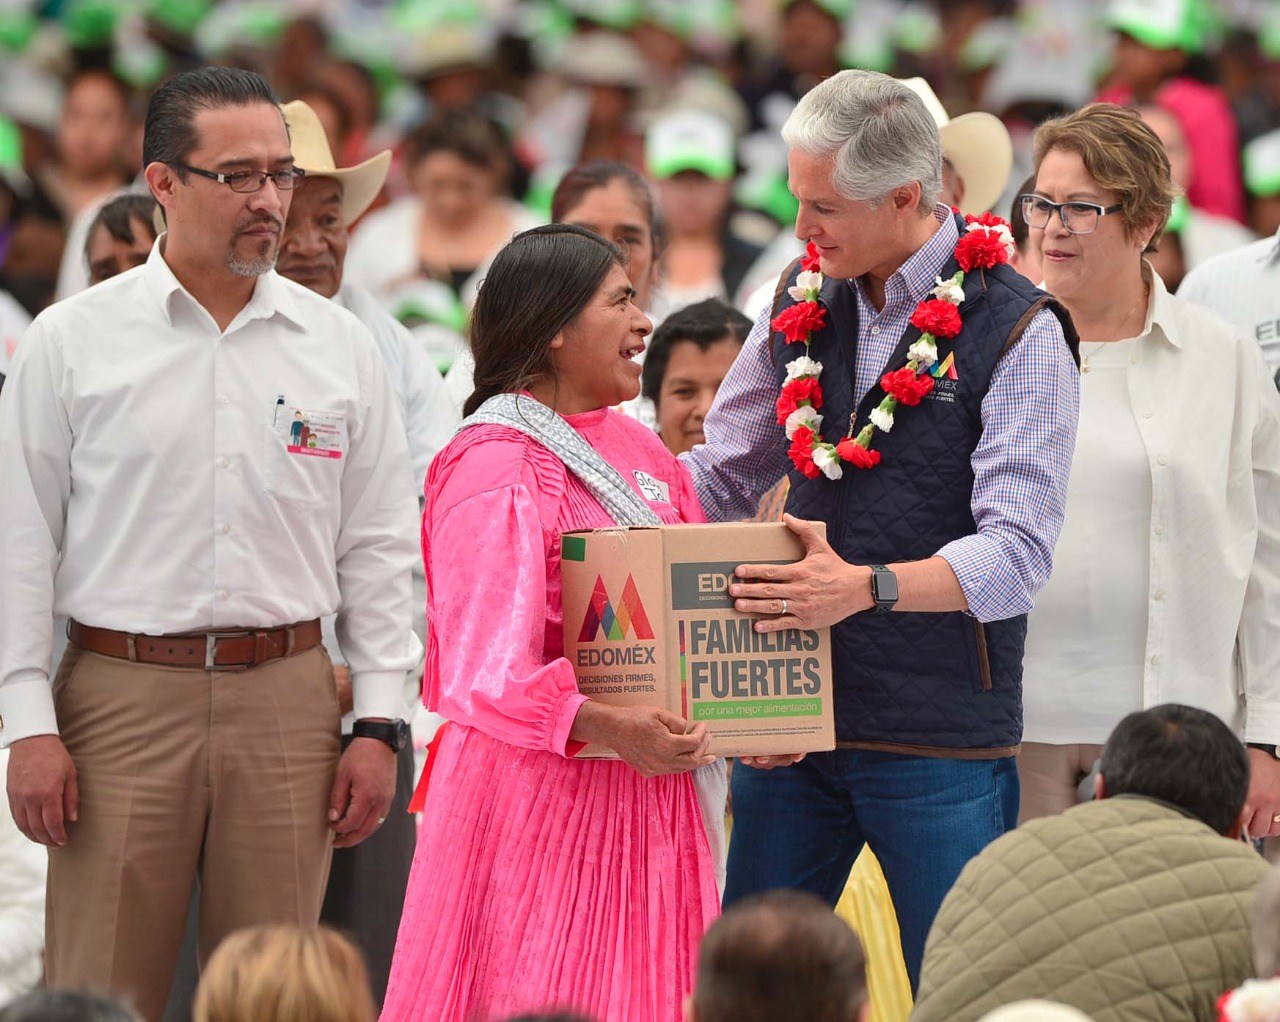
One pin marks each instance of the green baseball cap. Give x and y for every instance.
(10, 145)
(836, 8)
(1269, 35)
(17, 29)
(690, 140)
(616, 14)
(1160, 24)
(1261, 159)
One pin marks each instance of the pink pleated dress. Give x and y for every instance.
(539, 881)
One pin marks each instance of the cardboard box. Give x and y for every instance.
(648, 621)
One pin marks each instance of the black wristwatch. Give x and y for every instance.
(394, 732)
(884, 588)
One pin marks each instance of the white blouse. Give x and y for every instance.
(1184, 565)
(1088, 632)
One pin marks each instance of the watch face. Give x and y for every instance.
(884, 585)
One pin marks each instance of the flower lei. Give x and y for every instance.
(986, 242)
(1257, 1000)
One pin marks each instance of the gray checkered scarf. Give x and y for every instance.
(536, 420)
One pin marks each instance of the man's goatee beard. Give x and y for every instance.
(251, 267)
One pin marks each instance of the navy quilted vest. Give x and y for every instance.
(932, 684)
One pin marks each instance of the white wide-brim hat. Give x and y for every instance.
(1036, 1011)
(360, 184)
(977, 145)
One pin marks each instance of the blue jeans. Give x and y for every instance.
(803, 826)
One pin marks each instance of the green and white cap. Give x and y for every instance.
(836, 8)
(616, 14)
(1269, 34)
(11, 170)
(1261, 159)
(690, 140)
(1160, 24)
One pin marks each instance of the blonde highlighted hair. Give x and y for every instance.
(285, 974)
(1123, 155)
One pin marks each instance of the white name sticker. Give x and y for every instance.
(651, 488)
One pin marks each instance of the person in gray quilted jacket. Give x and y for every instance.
(1134, 907)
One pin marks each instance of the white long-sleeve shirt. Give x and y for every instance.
(1243, 287)
(149, 482)
(22, 884)
(429, 418)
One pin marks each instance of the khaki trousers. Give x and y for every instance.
(1049, 776)
(183, 771)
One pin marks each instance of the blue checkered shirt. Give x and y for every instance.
(1021, 464)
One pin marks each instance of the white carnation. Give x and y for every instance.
(809, 280)
(805, 415)
(949, 290)
(882, 419)
(798, 293)
(828, 461)
(803, 366)
(924, 351)
(1257, 1000)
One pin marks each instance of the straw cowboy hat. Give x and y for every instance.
(977, 145)
(360, 184)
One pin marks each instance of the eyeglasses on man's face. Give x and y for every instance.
(1076, 217)
(248, 181)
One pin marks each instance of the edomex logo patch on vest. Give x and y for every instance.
(946, 381)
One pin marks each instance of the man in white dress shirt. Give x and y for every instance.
(1243, 287)
(198, 460)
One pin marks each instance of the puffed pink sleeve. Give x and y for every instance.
(486, 559)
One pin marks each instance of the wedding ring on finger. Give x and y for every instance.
(783, 611)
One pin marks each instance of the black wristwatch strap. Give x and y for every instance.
(394, 732)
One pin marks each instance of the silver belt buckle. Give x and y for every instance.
(211, 649)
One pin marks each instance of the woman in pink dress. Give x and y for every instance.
(542, 881)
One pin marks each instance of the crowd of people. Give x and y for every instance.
(322, 323)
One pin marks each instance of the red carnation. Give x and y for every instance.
(938, 317)
(986, 219)
(983, 249)
(798, 321)
(811, 261)
(795, 393)
(801, 452)
(856, 455)
(906, 386)
(805, 388)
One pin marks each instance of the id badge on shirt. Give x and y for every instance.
(308, 432)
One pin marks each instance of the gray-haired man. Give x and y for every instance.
(934, 554)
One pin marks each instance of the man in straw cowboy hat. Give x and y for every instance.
(154, 493)
(367, 882)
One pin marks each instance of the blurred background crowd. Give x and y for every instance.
(485, 104)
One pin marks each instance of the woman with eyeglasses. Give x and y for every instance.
(1166, 581)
